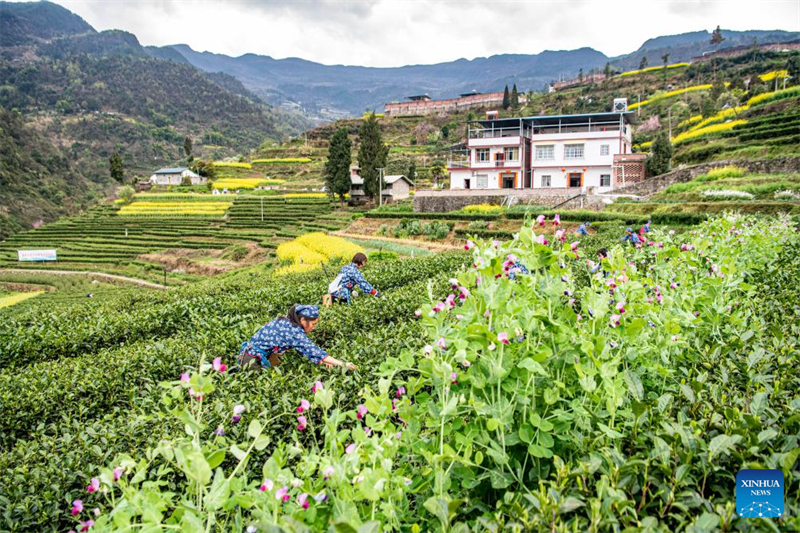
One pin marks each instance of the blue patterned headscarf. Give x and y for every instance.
(307, 311)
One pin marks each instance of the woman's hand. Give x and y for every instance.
(331, 362)
(350, 366)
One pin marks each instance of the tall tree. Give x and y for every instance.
(793, 67)
(337, 167)
(716, 40)
(115, 167)
(643, 63)
(514, 99)
(187, 146)
(580, 76)
(506, 98)
(660, 155)
(607, 70)
(372, 154)
(716, 37)
(412, 172)
(204, 168)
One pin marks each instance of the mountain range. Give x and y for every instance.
(333, 91)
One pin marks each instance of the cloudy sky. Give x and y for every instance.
(400, 32)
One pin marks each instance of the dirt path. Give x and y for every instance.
(434, 246)
(112, 277)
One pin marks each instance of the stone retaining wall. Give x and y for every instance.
(431, 201)
(651, 186)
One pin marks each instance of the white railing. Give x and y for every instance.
(493, 133)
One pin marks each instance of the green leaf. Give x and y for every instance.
(635, 387)
(526, 433)
(370, 527)
(341, 526)
(545, 439)
(438, 508)
(788, 460)
(688, 393)
(237, 452)
(570, 504)
(261, 442)
(539, 451)
(766, 435)
(478, 457)
(255, 428)
(664, 402)
(531, 365)
(216, 458)
(722, 444)
(492, 424)
(190, 523)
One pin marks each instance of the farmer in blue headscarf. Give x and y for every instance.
(631, 236)
(267, 346)
(582, 228)
(341, 288)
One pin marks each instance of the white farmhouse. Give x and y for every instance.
(175, 176)
(568, 152)
(396, 187)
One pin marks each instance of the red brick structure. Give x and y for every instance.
(424, 105)
(628, 169)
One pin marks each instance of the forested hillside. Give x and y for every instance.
(90, 95)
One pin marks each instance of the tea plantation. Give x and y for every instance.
(557, 400)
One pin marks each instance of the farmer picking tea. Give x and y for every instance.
(267, 346)
(342, 287)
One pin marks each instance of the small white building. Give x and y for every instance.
(573, 152)
(396, 187)
(175, 176)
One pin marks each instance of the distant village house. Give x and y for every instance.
(176, 176)
(423, 104)
(395, 187)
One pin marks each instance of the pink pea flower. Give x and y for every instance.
(400, 391)
(296, 483)
(267, 485)
(350, 448)
(367, 430)
(394, 404)
(118, 473)
(541, 240)
(327, 473)
(427, 349)
(459, 317)
(672, 232)
(492, 346)
(560, 235)
(398, 435)
(361, 411)
(317, 386)
(218, 365)
(674, 338)
(540, 220)
(77, 507)
(304, 405)
(574, 245)
(453, 283)
(303, 500)
(439, 307)
(94, 485)
(321, 497)
(450, 300)
(673, 285)
(454, 378)
(557, 220)
(487, 314)
(301, 422)
(502, 337)
(614, 320)
(283, 494)
(86, 525)
(220, 431)
(579, 317)
(185, 377)
(441, 343)
(621, 307)
(466, 364)
(469, 245)
(237, 413)
(418, 313)
(96, 511)
(495, 243)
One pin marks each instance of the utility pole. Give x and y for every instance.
(380, 186)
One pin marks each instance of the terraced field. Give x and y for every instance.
(111, 240)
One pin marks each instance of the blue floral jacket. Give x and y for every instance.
(350, 278)
(278, 336)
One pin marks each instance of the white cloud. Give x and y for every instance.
(400, 32)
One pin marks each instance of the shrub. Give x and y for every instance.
(382, 255)
(482, 208)
(235, 252)
(787, 195)
(125, 193)
(436, 230)
(719, 173)
(477, 225)
(724, 194)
